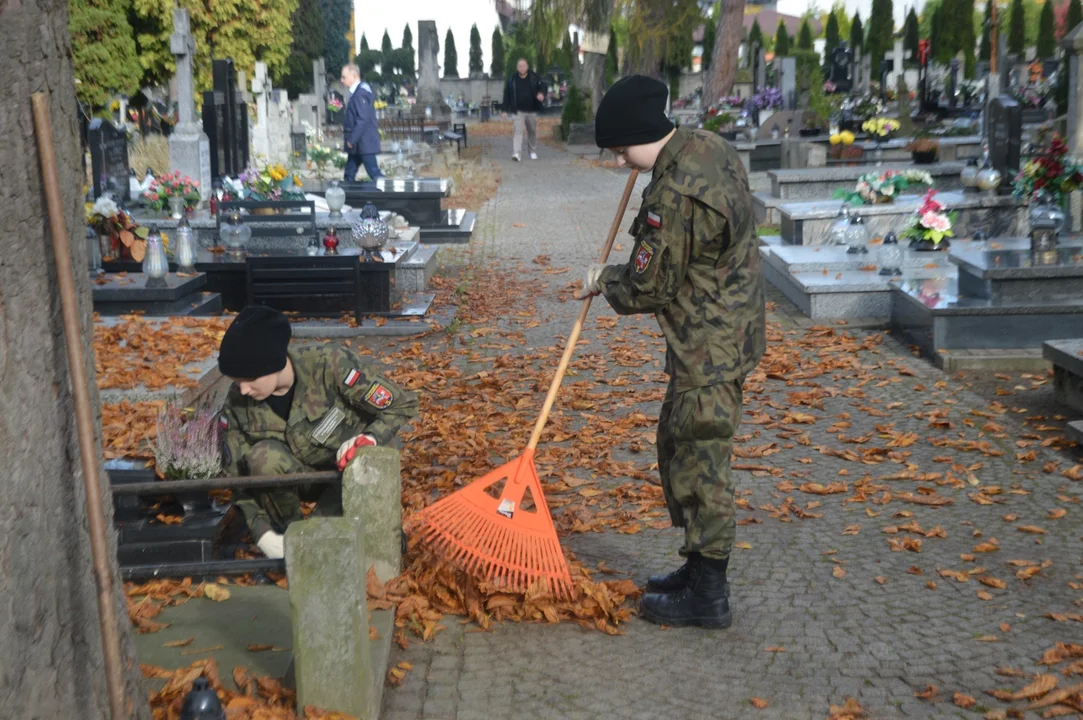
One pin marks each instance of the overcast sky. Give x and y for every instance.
(798, 7)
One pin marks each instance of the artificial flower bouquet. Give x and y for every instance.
(272, 182)
(126, 239)
(930, 225)
(883, 187)
(880, 128)
(171, 185)
(1052, 174)
(334, 104)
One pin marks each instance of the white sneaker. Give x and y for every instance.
(515, 157)
(533, 156)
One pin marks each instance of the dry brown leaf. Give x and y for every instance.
(774, 649)
(1040, 686)
(179, 643)
(963, 701)
(839, 572)
(216, 593)
(1032, 529)
(928, 693)
(992, 582)
(758, 703)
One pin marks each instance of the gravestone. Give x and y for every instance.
(887, 66)
(319, 89)
(1073, 47)
(429, 94)
(841, 65)
(271, 133)
(953, 82)
(1005, 136)
(231, 148)
(109, 159)
(189, 147)
(306, 110)
(787, 82)
(866, 74)
(855, 70)
(906, 121)
(760, 74)
(898, 58)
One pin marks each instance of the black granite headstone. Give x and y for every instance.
(841, 60)
(1005, 136)
(109, 159)
(225, 121)
(215, 117)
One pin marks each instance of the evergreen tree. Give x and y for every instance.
(1047, 44)
(986, 52)
(496, 66)
(1075, 16)
(832, 38)
(804, 36)
(364, 43)
(451, 58)
(911, 35)
(611, 63)
(948, 41)
(857, 32)
(103, 51)
(968, 41)
(1017, 28)
(935, 40)
(476, 63)
(565, 58)
(367, 60)
(385, 45)
(307, 46)
(881, 31)
(782, 40)
(337, 16)
(755, 34)
(407, 55)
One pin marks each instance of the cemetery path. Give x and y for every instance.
(897, 531)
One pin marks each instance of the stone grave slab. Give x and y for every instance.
(419, 201)
(1021, 275)
(1066, 355)
(118, 288)
(809, 223)
(932, 314)
(813, 183)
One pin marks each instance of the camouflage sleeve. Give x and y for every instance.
(385, 405)
(659, 261)
(234, 443)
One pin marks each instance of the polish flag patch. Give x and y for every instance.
(223, 422)
(352, 378)
(654, 221)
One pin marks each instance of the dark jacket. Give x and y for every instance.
(510, 103)
(360, 129)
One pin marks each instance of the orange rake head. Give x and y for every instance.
(492, 537)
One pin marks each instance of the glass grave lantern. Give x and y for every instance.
(1046, 221)
(235, 234)
(336, 199)
(969, 176)
(891, 255)
(857, 236)
(186, 247)
(330, 241)
(837, 234)
(155, 263)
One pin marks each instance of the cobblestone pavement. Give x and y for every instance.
(823, 608)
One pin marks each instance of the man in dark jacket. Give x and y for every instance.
(524, 95)
(359, 128)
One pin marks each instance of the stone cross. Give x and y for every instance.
(855, 71)
(189, 148)
(899, 57)
(760, 76)
(428, 70)
(1073, 47)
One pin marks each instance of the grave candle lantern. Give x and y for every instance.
(1046, 220)
(330, 241)
(155, 264)
(857, 237)
(186, 247)
(969, 176)
(891, 255)
(235, 233)
(336, 199)
(840, 228)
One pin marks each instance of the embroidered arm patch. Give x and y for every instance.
(643, 258)
(379, 396)
(654, 220)
(351, 378)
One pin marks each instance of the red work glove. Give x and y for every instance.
(348, 449)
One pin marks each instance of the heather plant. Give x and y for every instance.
(188, 443)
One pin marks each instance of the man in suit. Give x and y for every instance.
(359, 128)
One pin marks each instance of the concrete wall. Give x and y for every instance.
(473, 90)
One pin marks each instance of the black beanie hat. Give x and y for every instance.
(255, 343)
(632, 112)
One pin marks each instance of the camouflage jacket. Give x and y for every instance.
(696, 263)
(336, 397)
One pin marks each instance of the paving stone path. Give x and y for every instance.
(824, 609)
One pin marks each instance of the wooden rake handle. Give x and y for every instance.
(578, 327)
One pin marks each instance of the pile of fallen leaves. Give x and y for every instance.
(474, 185)
(155, 353)
(256, 698)
(129, 428)
(429, 588)
(504, 128)
(147, 600)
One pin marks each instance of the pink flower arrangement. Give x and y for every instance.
(930, 223)
(169, 186)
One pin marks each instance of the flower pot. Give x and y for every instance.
(929, 245)
(730, 135)
(924, 157)
(884, 199)
(810, 132)
(263, 211)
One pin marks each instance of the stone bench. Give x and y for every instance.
(1066, 357)
(809, 222)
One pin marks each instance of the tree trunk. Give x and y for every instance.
(592, 77)
(51, 645)
(719, 80)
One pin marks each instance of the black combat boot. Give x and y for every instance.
(676, 580)
(703, 602)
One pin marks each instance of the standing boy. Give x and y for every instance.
(695, 265)
(295, 411)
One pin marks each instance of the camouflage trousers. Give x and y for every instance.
(273, 509)
(695, 440)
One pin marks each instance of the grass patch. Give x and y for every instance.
(764, 230)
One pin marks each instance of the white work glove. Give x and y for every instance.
(273, 545)
(348, 449)
(592, 282)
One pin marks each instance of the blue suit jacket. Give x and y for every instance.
(359, 127)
